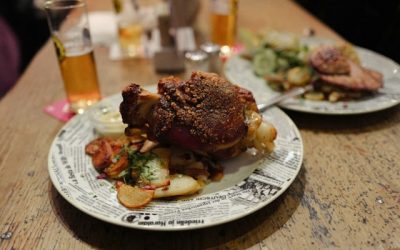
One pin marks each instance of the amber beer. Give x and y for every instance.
(80, 79)
(71, 38)
(130, 38)
(130, 29)
(223, 21)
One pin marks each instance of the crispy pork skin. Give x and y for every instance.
(206, 113)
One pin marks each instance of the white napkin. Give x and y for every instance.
(104, 31)
(149, 47)
(103, 27)
(185, 39)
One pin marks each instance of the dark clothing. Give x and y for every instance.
(28, 23)
(23, 30)
(9, 57)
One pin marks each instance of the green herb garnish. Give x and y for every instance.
(143, 164)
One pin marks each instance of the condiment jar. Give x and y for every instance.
(213, 51)
(196, 61)
(106, 120)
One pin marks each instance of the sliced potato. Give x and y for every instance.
(335, 96)
(314, 96)
(102, 157)
(179, 185)
(134, 197)
(116, 168)
(154, 174)
(299, 76)
(156, 171)
(104, 149)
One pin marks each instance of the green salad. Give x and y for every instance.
(279, 58)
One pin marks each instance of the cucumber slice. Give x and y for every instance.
(265, 62)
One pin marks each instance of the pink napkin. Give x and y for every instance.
(59, 110)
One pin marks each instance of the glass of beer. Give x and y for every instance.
(70, 33)
(223, 22)
(130, 28)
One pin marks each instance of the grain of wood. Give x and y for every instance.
(347, 194)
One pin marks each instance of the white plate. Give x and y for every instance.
(250, 181)
(239, 71)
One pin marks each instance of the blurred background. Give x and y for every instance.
(370, 23)
(23, 30)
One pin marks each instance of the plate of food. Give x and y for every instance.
(344, 79)
(192, 154)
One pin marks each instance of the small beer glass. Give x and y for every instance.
(130, 27)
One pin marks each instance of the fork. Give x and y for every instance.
(289, 94)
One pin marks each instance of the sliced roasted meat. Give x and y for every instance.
(337, 70)
(358, 79)
(328, 59)
(206, 113)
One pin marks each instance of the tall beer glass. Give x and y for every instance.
(70, 33)
(223, 22)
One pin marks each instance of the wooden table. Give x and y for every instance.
(347, 194)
